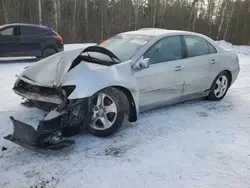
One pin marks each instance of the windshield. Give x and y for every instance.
(125, 46)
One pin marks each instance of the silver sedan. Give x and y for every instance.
(96, 86)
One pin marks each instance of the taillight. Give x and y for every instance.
(58, 38)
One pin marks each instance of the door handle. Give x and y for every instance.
(213, 61)
(178, 68)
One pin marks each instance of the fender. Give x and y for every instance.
(90, 78)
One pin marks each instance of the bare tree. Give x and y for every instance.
(192, 16)
(58, 13)
(74, 21)
(136, 4)
(222, 19)
(40, 18)
(5, 11)
(93, 20)
(228, 22)
(210, 13)
(86, 18)
(154, 13)
(55, 13)
(246, 19)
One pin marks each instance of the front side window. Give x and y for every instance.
(167, 49)
(125, 46)
(196, 46)
(7, 32)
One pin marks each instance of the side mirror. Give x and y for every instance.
(142, 64)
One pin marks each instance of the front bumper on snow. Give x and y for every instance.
(55, 130)
(26, 136)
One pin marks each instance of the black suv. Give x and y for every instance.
(29, 40)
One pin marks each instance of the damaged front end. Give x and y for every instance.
(55, 130)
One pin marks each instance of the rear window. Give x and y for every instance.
(125, 46)
(196, 46)
(212, 49)
(29, 30)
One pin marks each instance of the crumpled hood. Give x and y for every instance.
(48, 72)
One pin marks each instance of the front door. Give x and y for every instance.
(162, 82)
(9, 42)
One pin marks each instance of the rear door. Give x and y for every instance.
(10, 41)
(197, 69)
(30, 39)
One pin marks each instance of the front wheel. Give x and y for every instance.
(219, 87)
(107, 113)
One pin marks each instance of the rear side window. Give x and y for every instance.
(7, 32)
(29, 30)
(211, 48)
(196, 46)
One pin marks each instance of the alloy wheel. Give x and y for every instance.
(221, 86)
(104, 112)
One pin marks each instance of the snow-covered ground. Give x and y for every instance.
(199, 144)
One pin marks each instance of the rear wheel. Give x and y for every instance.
(48, 52)
(219, 87)
(107, 112)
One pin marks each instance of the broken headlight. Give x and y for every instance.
(67, 90)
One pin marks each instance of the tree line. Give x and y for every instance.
(96, 20)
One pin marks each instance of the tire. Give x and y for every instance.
(219, 87)
(48, 52)
(108, 107)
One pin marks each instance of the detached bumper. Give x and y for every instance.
(36, 140)
(55, 130)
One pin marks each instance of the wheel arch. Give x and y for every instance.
(132, 106)
(133, 109)
(48, 46)
(230, 75)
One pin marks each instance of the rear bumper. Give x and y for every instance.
(235, 74)
(60, 47)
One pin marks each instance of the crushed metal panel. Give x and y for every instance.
(37, 97)
(49, 71)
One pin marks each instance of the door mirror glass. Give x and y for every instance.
(142, 64)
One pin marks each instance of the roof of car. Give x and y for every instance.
(156, 32)
(22, 24)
